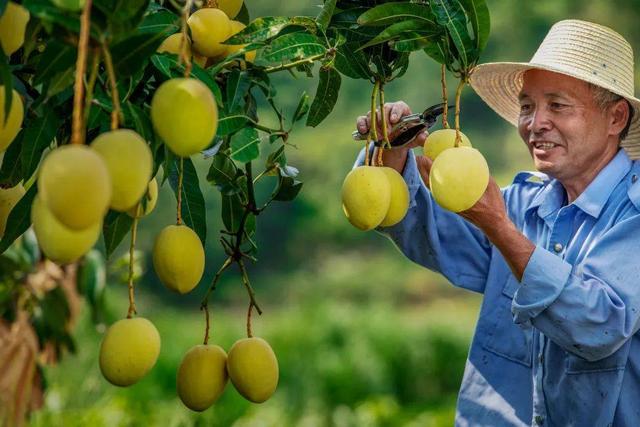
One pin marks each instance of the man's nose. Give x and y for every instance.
(539, 121)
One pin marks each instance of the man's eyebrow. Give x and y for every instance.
(557, 95)
(522, 96)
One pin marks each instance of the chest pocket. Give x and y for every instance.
(505, 338)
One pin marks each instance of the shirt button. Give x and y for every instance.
(557, 247)
(634, 178)
(539, 420)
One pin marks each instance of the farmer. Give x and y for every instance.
(557, 253)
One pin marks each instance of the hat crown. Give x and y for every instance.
(591, 52)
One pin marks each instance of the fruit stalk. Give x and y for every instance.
(180, 175)
(91, 83)
(247, 284)
(458, 93)
(205, 301)
(184, 54)
(77, 132)
(116, 111)
(445, 98)
(132, 302)
(373, 122)
(249, 332)
(212, 3)
(385, 134)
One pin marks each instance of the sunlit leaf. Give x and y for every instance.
(292, 46)
(389, 13)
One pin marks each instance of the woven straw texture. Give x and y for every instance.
(580, 49)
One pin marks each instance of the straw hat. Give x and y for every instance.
(580, 49)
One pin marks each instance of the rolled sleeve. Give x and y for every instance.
(543, 280)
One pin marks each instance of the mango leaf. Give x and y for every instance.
(56, 57)
(292, 46)
(287, 190)
(302, 109)
(46, 11)
(243, 15)
(222, 171)
(3, 5)
(262, 29)
(326, 96)
(130, 54)
(395, 31)
(123, 16)
(7, 81)
(450, 15)
(116, 225)
(410, 42)
(437, 51)
(169, 65)
(245, 145)
(19, 219)
(230, 122)
(324, 17)
(92, 282)
(11, 169)
(478, 14)
(38, 135)
(347, 24)
(389, 13)
(232, 211)
(159, 22)
(352, 62)
(193, 210)
(238, 85)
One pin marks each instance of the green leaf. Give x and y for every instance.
(450, 14)
(238, 85)
(243, 15)
(302, 109)
(123, 16)
(37, 136)
(262, 29)
(326, 96)
(193, 209)
(292, 46)
(92, 282)
(232, 211)
(245, 145)
(19, 219)
(169, 65)
(11, 169)
(324, 17)
(159, 22)
(7, 81)
(3, 5)
(231, 122)
(389, 13)
(223, 170)
(115, 227)
(287, 190)
(395, 31)
(130, 55)
(478, 14)
(56, 57)
(437, 51)
(410, 42)
(138, 119)
(352, 62)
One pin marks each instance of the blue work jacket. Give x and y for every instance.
(559, 347)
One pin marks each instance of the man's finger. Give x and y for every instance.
(424, 167)
(398, 109)
(361, 124)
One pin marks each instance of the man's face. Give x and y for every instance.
(565, 130)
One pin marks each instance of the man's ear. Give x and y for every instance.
(619, 114)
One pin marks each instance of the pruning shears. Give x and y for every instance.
(409, 126)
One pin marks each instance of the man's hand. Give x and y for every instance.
(489, 214)
(393, 111)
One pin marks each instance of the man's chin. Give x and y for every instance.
(546, 167)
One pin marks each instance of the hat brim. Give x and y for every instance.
(499, 83)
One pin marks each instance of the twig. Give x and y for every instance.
(132, 302)
(445, 98)
(116, 111)
(77, 132)
(180, 175)
(458, 93)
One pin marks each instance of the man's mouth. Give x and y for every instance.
(543, 145)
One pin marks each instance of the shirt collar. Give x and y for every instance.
(593, 198)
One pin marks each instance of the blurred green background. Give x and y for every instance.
(363, 336)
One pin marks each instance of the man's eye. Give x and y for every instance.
(525, 108)
(557, 105)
